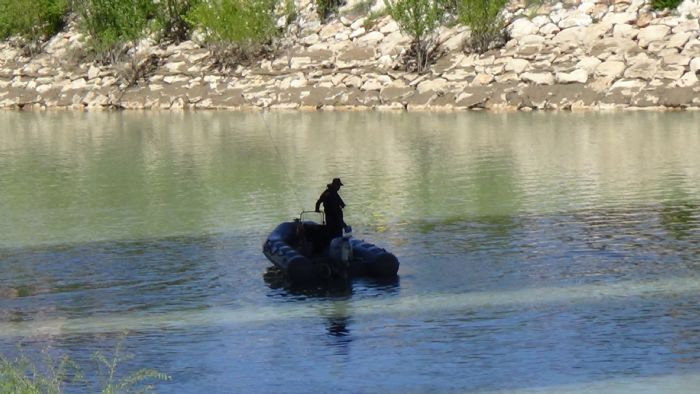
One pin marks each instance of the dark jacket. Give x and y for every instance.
(332, 204)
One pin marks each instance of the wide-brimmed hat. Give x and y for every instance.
(336, 181)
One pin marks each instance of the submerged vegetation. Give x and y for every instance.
(23, 376)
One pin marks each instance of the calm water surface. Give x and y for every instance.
(539, 252)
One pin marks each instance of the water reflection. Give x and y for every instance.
(569, 248)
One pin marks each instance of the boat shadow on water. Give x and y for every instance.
(333, 288)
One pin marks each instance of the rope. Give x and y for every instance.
(281, 161)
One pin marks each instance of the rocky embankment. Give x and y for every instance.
(581, 54)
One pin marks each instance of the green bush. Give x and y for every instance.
(419, 19)
(33, 20)
(665, 4)
(324, 8)
(171, 17)
(483, 17)
(51, 376)
(109, 24)
(236, 30)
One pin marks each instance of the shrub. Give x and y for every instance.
(419, 19)
(23, 376)
(665, 4)
(110, 24)
(171, 18)
(324, 8)
(483, 17)
(236, 30)
(33, 20)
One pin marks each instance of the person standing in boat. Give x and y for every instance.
(333, 207)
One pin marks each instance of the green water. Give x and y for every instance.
(540, 252)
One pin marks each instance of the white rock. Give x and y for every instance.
(298, 83)
(538, 78)
(642, 67)
(482, 79)
(628, 84)
(549, 29)
(541, 20)
(372, 38)
(358, 24)
(390, 27)
(652, 33)
(569, 38)
(575, 19)
(577, 76)
(620, 18)
(688, 25)
(625, 31)
(352, 81)
(78, 84)
(522, 27)
(678, 40)
(695, 64)
(330, 30)
(676, 59)
(372, 84)
(435, 85)
(458, 74)
(41, 89)
(357, 32)
(299, 62)
(610, 69)
(93, 72)
(517, 65)
(672, 72)
(588, 64)
(688, 79)
(456, 41)
(311, 39)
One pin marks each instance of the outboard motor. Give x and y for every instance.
(341, 248)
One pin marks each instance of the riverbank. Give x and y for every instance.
(577, 55)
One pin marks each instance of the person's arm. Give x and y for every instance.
(319, 201)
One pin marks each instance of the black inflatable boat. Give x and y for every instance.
(302, 251)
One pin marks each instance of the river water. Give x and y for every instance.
(540, 252)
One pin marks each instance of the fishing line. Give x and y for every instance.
(281, 160)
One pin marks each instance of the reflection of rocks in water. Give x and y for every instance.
(8, 292)
(680, 220)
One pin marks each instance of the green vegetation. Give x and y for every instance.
(239, 31)
(483, 17)
(33, 20)
(419, 19)
(171, 18)
(665, 4)
(22, 376)
(110, 24)
(325, 8)
(236, 30)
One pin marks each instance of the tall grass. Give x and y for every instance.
(23, 376)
